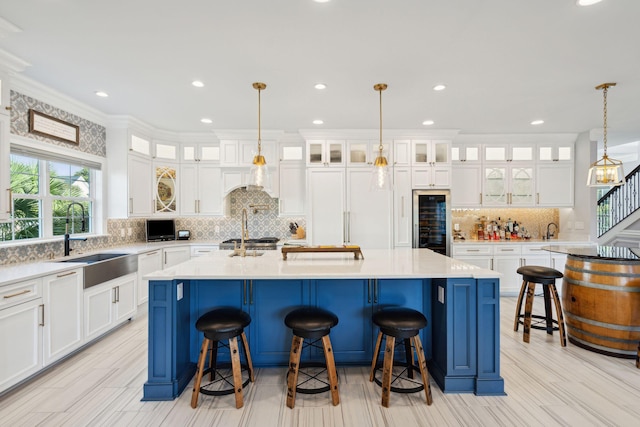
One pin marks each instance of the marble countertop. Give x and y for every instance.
(524, 242)
(617, 253)
(377, 263)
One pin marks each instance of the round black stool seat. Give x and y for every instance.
(538, 274)
(223, 323)
(310, 322)
(399, 322)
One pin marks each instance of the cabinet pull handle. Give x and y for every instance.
(491, 264)
(344, 226)
(130, 205)
(66, 274)
(537, 198)
(244, 292)
(152, 253)
(41, 323)
(369, 291)
(506, 250)
(165, 258)
(348, 226)
(473, 250)
(118, 293)
(480, 198)
(10, 205)
(401, 206)
(26, 291)
(250, 292)
(375, 291)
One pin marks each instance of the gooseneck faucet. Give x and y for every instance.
(67, 246)
(244, 235)
(549, 233)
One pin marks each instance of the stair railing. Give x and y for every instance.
(618, 203)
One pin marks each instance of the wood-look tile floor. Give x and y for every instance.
(546, 385)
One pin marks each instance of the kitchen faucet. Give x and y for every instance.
(67, 246)
(549, 233)
(244, 235)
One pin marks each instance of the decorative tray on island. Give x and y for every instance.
(355, 249)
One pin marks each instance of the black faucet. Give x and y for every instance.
(549, 233)
(67, 247)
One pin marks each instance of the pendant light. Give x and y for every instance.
(605, 172)
(380, 179)
(259, 179)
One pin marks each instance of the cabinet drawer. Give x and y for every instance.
(534, 250)
(508, 250)
(17, 293)
(472, 250)
(203, 250)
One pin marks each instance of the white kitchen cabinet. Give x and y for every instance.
(109, 304)
(402, 199)
(535, 255)
(476, 254)
(21, 317)
(5, 95)
(5, 178)
(165, 187)
(555, 152)
(511, 185)
(200, 189)
(431, 164)
(503, 258)
(402, 152)
(368, 213)
(325, 153)
(63, 323)
(466, 153)
(166, 150)
(362, 153)
(292, 182)
(555, 184)
(466, 186)
(148, 262)
(291, 152)
(175, 255)
(201, 152)
(509, 153)
(140, 185)
(242, 152)
(326, 206)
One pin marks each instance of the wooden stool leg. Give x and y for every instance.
(200, 368)
(376, 352)
(516, 321)
(409, 356)
(548, 316)
(528, 307)
(422, 363)
(559, 315)
(331, 369)
(237, 370)
(247, 355)
(292, 376)
(387, 370)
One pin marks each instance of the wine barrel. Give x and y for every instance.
(601, 302)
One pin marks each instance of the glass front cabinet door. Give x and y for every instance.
(165, 189)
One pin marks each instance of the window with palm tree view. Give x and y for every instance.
(42, 193)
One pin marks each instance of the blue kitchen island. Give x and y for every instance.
(460, 301)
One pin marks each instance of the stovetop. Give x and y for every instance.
(266, 243)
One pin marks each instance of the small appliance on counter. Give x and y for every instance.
(159, 230)
(183, 235)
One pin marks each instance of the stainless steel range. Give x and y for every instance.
(263, 243)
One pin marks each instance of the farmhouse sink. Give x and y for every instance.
(102, 267)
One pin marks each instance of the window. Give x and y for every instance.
(49, 197)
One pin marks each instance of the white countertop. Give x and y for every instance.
(378, 263)
(524, 242)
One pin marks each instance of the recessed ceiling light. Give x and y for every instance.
(587, 2)
(322, 1)
(439, 87)
(320, 86)
(537, 122)
(428, 122)
(318, 122)
(102, 94)
(197, 83)
(206, 120)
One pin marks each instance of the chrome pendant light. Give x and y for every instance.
(259, 179)
(380, 179)
(606, 172)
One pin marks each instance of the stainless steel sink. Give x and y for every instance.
(103, 267)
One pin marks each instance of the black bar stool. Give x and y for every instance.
(220, 324)
(404, 324)
(313, 323)
(532, 274)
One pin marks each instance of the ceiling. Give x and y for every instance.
(504, 62)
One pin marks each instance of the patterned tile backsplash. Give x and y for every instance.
(534, 220)
(263, 221)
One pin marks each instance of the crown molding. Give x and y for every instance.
(248, 134)
(375, 133)
(12, 63)
(518, 138)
